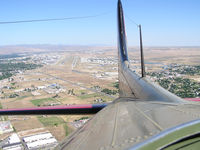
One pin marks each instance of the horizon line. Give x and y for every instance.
(96, 45)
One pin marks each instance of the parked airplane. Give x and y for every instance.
(145, 116)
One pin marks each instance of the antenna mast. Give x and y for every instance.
(141, 52)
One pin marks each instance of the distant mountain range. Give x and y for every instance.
(14, 49)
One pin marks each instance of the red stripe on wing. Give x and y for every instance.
(192, 99)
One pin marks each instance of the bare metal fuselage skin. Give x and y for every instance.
(131, 85)
(142, 110)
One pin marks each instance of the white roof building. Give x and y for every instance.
(14, 147)
(37, 137)
(13, 143)
(40, 141)
(13, 139)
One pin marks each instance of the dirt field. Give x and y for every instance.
(25, 123)
(61, 73)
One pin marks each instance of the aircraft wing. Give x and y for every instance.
(128, 122)
(65, 109)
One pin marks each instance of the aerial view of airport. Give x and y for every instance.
(79, 75)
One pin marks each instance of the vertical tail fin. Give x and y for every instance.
(123, 56)
(124, 88)
(130, 84)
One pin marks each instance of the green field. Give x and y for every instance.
(1, 106)
(51, 121)
(67, 131)
(42, 101)
(86, 96)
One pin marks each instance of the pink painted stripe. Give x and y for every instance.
(51, 107)
(192, 99)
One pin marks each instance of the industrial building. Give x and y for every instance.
(13, 142)
(38, 141)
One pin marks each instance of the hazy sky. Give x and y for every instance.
(164, 22)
